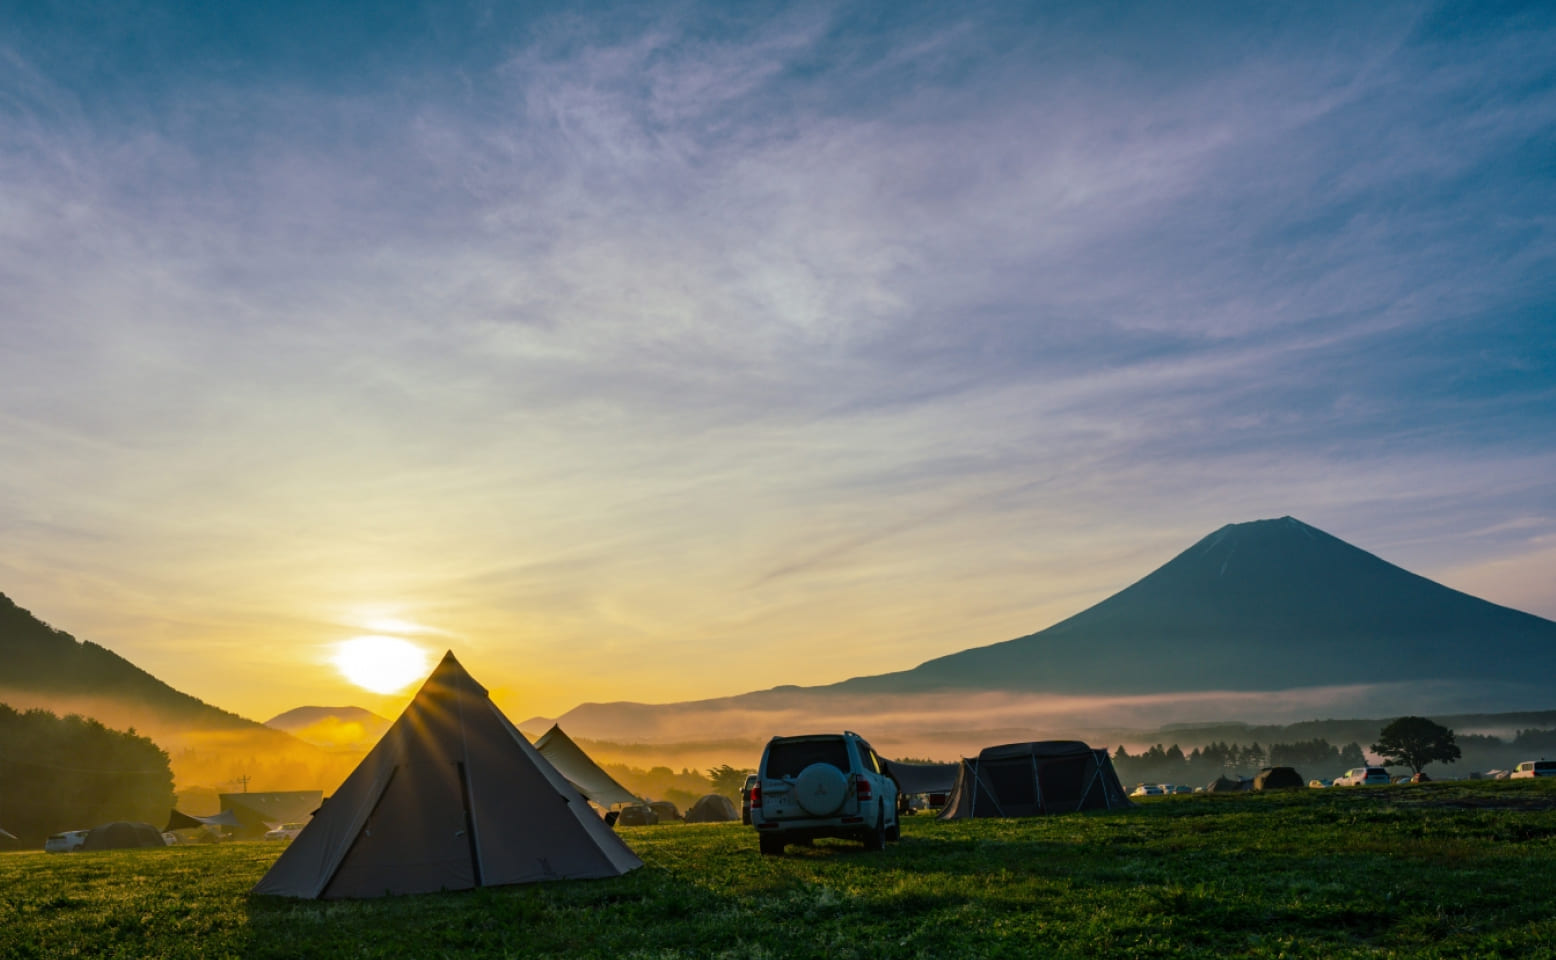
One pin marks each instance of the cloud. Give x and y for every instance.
(868, 337)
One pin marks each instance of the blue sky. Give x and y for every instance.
(788, 343)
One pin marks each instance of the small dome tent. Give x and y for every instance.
(713, 808)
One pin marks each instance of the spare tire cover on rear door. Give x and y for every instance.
(820, 789)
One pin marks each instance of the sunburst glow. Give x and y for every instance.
(380, 664)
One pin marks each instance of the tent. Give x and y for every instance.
(261, 811)
(1225, 785)
(917, 778)
(452, 797)
(122, 835)
(580, 769)
(178, 820)
(713, 808)
(1278, 778)
(665, 810)
(1028, 779)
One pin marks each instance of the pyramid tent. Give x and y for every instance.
(580, 769)
(452, 797)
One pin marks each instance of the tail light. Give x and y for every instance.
(861, 787)
(756, 795)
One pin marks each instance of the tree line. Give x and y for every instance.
(1313, 758)
(72, 773)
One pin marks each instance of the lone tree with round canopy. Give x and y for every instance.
(1415, 742)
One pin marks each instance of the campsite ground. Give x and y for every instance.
(1443, 869)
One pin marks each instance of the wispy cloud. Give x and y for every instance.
(823, 337)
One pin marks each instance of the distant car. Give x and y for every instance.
(1147, 790)
(1363, 777)
(1319, 784)
(65, 842)
(1533, 768)
(286, 831)
(745, 800)
(637, 815)
(1180, 788)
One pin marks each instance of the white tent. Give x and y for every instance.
(452, 797)
(580, 769)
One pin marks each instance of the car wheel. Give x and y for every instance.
(875, 837)
(771, 846)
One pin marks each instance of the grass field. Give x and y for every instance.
(1460, 870)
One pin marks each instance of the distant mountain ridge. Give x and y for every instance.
(1264, 605)
(332, 727)
(1268, 605)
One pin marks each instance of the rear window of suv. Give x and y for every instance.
(786, 758)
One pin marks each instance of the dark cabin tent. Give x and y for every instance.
(1225, 785)
(1029, 779)
(713, 808)
(452, 797)
(921, 778)
(1278, 778)
(122, 835)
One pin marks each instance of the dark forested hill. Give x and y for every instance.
(47, 667)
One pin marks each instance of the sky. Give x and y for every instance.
(659, 352)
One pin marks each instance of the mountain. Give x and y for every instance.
(349, 728)
(1272, 620)
(50, 668)
(41, 667)
(1266, 605)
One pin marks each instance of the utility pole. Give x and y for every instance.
(245, 781)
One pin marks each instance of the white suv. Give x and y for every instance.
(822, 785)
(1363, 777)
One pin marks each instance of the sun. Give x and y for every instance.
(380, 664)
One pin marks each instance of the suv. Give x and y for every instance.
(1363, 777)
(822, 785)
(1533, 768)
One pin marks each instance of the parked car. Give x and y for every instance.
(1147, 790)
(1533, 768)
(745, 800)
(1363, 777)
(286, 831)
(1179, 788)
(65, 842)
(822, 785)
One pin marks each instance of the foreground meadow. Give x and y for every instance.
(1434, 870)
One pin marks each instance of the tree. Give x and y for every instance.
(1415, 742)
(728, 780)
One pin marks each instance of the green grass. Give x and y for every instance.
(1453, 870)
